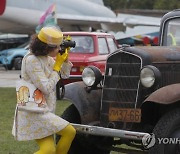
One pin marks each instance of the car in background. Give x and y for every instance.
(9, 40)
(10, 58)
(92, 48)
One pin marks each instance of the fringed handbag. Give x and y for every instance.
(29, 98)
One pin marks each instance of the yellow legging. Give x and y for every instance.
(47, 145)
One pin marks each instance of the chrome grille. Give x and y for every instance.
(121, 82)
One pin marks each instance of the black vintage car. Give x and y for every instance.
(136, 102)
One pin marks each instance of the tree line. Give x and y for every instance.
(143, 4)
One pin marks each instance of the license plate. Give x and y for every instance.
(124, 114)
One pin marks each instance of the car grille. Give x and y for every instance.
(120, 83)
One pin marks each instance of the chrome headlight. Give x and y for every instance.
(149, 75)
(91, 76)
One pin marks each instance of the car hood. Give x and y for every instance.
(74, 57)
(86, 57)
(5, 52)
(98, 58)
(156, 54)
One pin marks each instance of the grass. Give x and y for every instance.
(7, 107)
(8, 145)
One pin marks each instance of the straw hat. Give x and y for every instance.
(51, 36)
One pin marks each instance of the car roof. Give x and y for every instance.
(87, 33)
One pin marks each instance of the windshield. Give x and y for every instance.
(84, 44)
(172, 33)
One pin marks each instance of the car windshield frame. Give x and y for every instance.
(172, 30)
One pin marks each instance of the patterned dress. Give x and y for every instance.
(39, 71)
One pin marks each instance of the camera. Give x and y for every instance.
(66, 44)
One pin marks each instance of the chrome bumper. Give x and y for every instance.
(75, 77)
(109, 132)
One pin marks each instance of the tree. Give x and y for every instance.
(115, 4)
(142, 4)
(165, 4)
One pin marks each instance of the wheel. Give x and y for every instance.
(8, 67)
(167, 127)
(60, 90)
(81, 143)
(17, 63)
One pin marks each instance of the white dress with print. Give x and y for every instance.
(39, 71)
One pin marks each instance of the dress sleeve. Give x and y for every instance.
(66, 69)
(34, 69)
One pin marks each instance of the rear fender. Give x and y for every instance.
(165, 95)
(87, 104)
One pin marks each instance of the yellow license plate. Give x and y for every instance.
(124, 114)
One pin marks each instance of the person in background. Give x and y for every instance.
(39, 68)
(171, 39)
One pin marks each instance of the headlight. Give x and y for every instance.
(149, 76)
(91, 76)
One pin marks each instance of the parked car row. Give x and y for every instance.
(10, 58)
(92, 48)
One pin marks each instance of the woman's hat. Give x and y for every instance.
(51, 36)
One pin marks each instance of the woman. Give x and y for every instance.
(39, 68)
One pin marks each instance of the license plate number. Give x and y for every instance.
(124, 114)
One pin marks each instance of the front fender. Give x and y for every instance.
(87, 104)
(165, 95)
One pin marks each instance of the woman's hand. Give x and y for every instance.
(60, 60)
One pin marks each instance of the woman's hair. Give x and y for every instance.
(39, 48)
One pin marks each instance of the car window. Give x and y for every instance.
(102, 46)
(111, 44)
(84, 44)
(172, 33)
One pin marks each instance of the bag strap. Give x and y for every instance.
(23, 65)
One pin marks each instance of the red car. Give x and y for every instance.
(92, 48)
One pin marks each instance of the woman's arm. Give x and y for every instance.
(36, 73)
(66, 69)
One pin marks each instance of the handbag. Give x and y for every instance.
(30, 98)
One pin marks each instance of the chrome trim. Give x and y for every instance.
(75, 77)
(121, 50)
(101, 131)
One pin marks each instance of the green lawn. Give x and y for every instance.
(7, 107)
